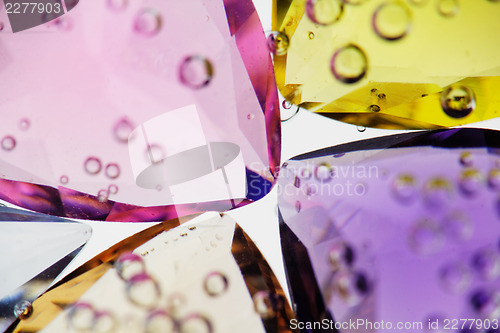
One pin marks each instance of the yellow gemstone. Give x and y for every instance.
(392, 63)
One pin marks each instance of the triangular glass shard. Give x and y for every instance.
(413, 64)
(206, 274)
(35, 248)
(137, 128)
(397, 229)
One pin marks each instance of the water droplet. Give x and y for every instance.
(117, 5)
(494, 179)
(102, 195)
(250, 116)
(324, 12)
(143, 290)
(82, 316)
(148, 22)
(286, 104)
(392, 20)
(341, 256)
(324, 172)
(458, 226)
(458, 101)
(64, 179)
(448, 8)
(361, 129)
(155, 153)
(195, 323)
(404, 188)
(105, 322)
(196, 72)
(160, 321)
(92, 165)
(298, 206)
(112, 189)
(215, 284)
(349, 64)
(128, 265)
(437, 193)
(122, 129)
(471, 181)
(112, 170)
(455, 277)
(23, 309)
(466, 159)
(425, 237)
(487, 264)
(267, 304)
(24, 124)
(310, 35)
(374, 108)
(278, 43)
(8, 143)
(352, 287)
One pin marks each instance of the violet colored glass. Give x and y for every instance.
(396, 229)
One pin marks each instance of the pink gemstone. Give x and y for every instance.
(114, 83)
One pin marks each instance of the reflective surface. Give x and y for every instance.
(205, 276)
(394, 229)
(35, 249)
(114, 123)
(403, 57)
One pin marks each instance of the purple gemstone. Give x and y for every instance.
(400, 232)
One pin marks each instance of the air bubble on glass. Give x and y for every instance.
(267, 304)
(148, 22)
(122, 130)
(196, 72)
(278, 43)
(143, 290)
(215, 284)
(8, 143)
(112, 170)
(458, 101)
(392, 20)
(128, 265)
(324, 12)
(349, 64)
(23, 309)
(92, 165)
(24, 124)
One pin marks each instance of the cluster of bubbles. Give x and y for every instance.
(8, 142)
(438, 191)
(83, 317)
(391, 21)
(93, 166)
(457, 277)
(349, 284)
